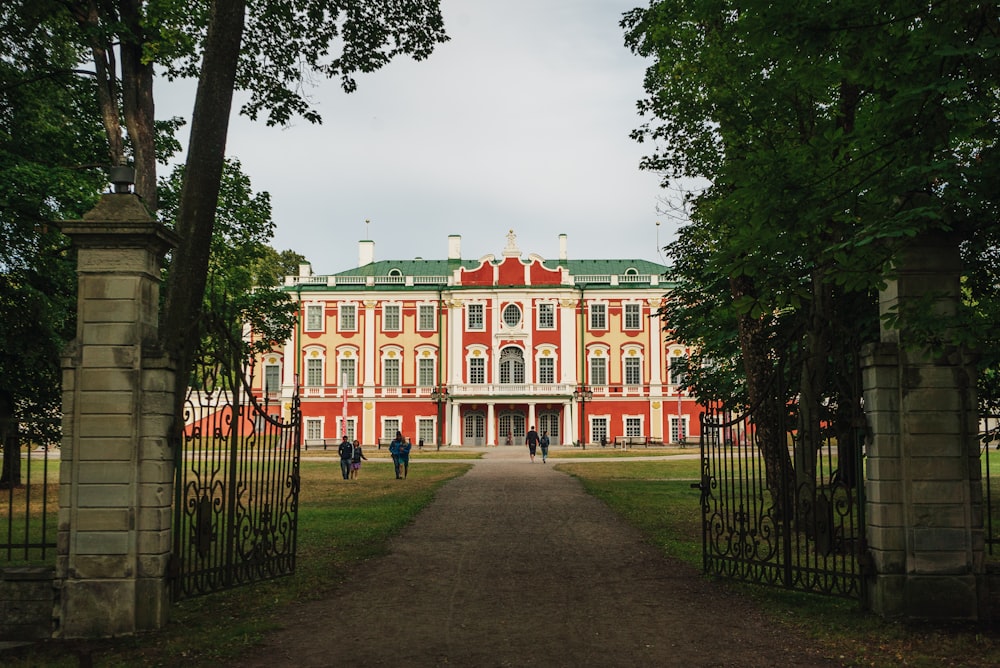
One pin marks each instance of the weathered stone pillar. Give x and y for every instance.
(923, 487)
(117, 466)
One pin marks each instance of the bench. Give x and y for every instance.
(626, 441)
(320, 441)
(384, 441)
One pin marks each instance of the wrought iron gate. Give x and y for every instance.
(798, 524)
(237, 483)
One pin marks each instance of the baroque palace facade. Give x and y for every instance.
(476, 352)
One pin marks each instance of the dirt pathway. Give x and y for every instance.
(513, 564)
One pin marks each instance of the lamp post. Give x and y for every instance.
(440, 394)
(583, 395)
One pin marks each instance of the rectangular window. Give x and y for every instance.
(390, 372)
(598, 316)
(314, 428)
(389, 427)
(477, 370)
(598, 371)
(349, 429)
(678, 431)
(314, 372)
(314, 317)
(425, 372)
(347, 372)
(391, 320)
(348, 317)
(633, 371)
(272, 378)
(425, 431)
(475, 317)
(633, 426)
(546, 315)
(546, 370)
(426, 318)
(676, 370)
(633, 316)
(598, 429)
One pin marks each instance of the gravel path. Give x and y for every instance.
(513, 564)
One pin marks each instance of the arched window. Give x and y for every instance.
(511, 366)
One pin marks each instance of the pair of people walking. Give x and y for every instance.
(351, 455)
(533, 441)
(399, 449)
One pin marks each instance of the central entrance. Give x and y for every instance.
(511, 429)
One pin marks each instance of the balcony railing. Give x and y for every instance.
(464, 390)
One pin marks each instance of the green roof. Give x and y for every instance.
(446, 267)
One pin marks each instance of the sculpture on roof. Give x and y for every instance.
(511, 250)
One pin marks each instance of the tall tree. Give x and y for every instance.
(50, 145)
(268, 48)
(831, 133)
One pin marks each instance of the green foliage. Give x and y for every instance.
(831, 134)
(240, 273)
(48, 150)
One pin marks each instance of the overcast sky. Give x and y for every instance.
(521, 121)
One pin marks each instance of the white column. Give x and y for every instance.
(491, 431)
(370, 353)
(567, 344)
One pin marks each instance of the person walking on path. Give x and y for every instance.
(346, 451)
(531, 439)
(356, 460)
(404, 456)
(544, 442)
(394, 449)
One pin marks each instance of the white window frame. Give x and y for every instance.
(351, 429)
(598, 315)
(471, 322)
(426, 317)
(631, 311)
(597, 363)
(315, 365)
(347, 317)
(269, 371)
(426, 371)
(546, 315)
(674, 376)
(481, 371)
(390, 425)
(314, 317)
(313, 428)
(636, 363)
(633, 425)
(392, 317)
(392, 371)
(510, 309)
(343, 362)
(551, 362)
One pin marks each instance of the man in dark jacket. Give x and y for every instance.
(345, 451)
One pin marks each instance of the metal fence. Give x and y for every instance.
(796, 521)
(989, 441)
(29, 499)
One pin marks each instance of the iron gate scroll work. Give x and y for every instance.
(237, 483)
(816, 544)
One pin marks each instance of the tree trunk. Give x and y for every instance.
(767, 400)
(200, 192)
(137, 101)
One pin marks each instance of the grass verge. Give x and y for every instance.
(340, 524)
(657, 498)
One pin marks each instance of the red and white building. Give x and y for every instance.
(476, 352)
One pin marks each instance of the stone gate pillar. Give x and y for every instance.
(923, 487)
(117, 466)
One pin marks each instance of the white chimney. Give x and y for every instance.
(305, 270)
(454, 246)
(562, 247)
(366, 252)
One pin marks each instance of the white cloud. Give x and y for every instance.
(520, 122)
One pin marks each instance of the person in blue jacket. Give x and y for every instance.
(395, 448)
